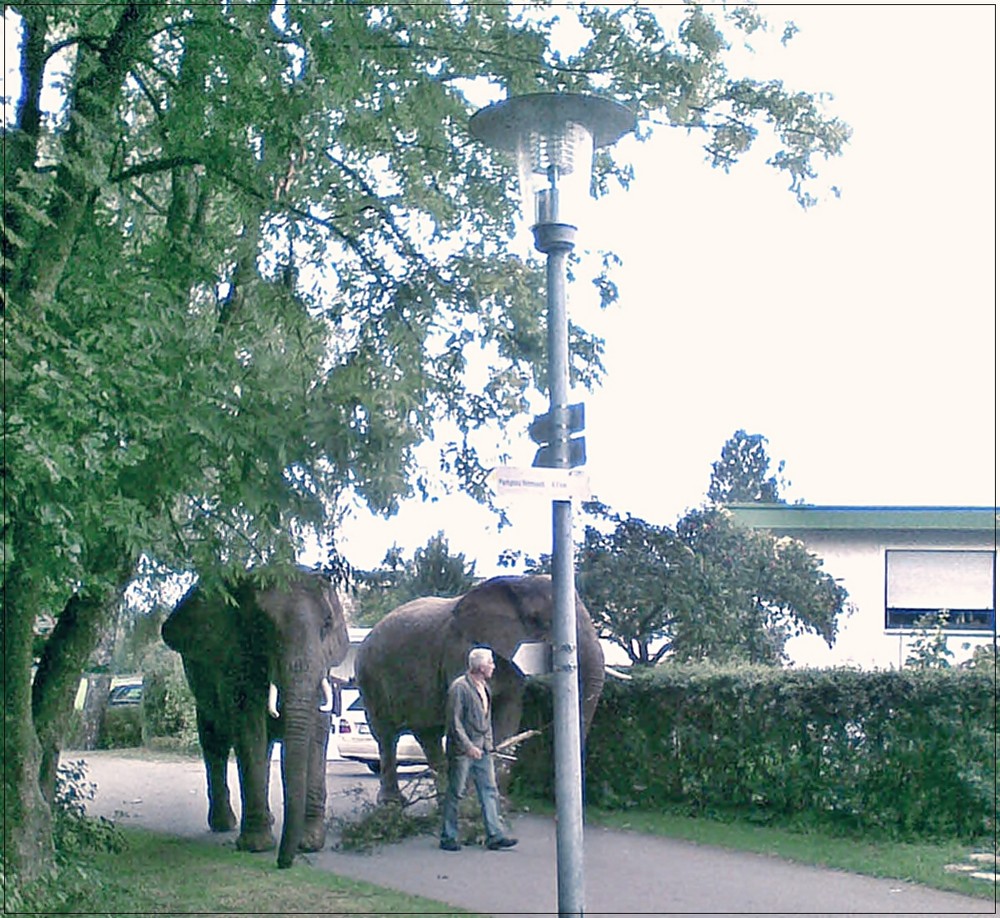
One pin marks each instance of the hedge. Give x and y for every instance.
(907, 752)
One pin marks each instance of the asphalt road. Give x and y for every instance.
(626, 873)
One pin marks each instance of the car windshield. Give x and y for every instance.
(126, 694)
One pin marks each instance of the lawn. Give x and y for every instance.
(156, 875)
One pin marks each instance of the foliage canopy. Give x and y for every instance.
(248, 253)
(741, 472)
(705, 590)
(432, 571)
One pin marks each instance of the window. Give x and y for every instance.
(921, 583)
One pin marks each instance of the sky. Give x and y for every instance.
(859, 336)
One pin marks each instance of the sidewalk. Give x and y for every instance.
(625, 873)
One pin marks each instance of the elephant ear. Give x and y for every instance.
(502, 612)
(195, 619)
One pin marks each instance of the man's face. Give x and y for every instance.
(487, 667)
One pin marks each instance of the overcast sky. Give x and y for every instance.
(859, 337)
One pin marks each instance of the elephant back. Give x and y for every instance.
(400, 666)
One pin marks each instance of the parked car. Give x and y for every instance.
(126, 693)
(355, 741)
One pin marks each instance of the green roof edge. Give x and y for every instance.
(790, 517)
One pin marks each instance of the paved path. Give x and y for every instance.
(626, 873)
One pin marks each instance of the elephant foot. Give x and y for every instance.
(313, 838)
(261, 840)
(221, 819)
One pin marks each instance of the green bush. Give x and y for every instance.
(909, 752)
(75, 836)
(168, 708)
(121, 727)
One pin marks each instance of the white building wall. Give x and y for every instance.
(857, 561)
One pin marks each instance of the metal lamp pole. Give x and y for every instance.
(541, 130)
(556, 240)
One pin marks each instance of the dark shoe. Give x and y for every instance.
(450, 845)
(497, 844)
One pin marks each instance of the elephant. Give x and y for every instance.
(406, 663)
(258, 663)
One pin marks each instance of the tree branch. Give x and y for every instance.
(151, 167)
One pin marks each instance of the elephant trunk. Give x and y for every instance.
(297, 715)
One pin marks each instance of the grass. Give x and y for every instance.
(156, 875)
(916, 862)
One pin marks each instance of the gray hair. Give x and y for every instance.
(478, 656)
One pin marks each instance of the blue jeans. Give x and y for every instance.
(484, 779)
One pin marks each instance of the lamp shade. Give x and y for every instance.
(552, 137)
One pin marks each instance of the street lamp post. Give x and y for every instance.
(553, 136)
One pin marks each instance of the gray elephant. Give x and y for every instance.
(282, 631)
(404, 666)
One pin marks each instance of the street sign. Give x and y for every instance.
(556, 426)
(533, 658)
(545, 458)
(545, 483)
(545, 427)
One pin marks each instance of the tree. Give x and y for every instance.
(707, 590)
(627, 578)
(929, 647)
(740, 474)
(749, 592)
(246, 257)
(433, 571)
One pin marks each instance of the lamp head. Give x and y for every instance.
(552, 137)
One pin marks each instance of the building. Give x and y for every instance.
(899, 565)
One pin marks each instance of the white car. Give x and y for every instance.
(355, 741)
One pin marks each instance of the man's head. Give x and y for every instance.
(481, 661)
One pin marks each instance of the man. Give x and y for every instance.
(470, 741)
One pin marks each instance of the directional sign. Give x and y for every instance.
(548, 484)
(545, 428)
(545, 458)
(533, 658)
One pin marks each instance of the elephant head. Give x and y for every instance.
(506, 611)
(285, 630)
(408, 660)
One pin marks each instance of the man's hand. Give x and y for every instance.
(474, 752)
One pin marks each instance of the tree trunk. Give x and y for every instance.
(27, 824)
(88, 725)
(64, 658)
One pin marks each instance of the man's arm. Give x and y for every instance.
(454, 715)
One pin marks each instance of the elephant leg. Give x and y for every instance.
(430, 741)
(254, 765)
(314, 828)
(215, 751)
(388, 791)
